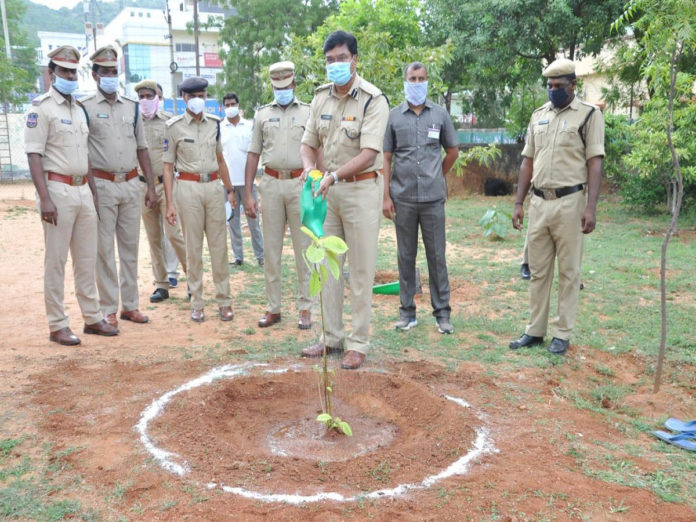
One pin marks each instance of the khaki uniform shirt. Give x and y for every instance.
(191, 145)
(554, 143)
(58, 131)
(345, 125)
(277, 134)
(114, 135)
(154, 134)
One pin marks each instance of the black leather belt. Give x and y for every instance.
(142, 178)
(557, 193)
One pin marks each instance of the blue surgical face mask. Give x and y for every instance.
(283, 96)
(416, 92)
(65, 86)
(108, 84)
(339, 72)
(558, 97)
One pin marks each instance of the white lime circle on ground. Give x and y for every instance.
(174, 463)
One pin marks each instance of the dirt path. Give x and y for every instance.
(85, 402)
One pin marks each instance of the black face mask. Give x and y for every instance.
(558, 97)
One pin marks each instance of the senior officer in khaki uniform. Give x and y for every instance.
(562, 161)
(276, 137)
(56, 144)
(348, 118)
(154, 120)
(116, 146)
(192, 141)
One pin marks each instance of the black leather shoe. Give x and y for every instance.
(159, 295)
(524, 271)
(525, 341)
(559, 346)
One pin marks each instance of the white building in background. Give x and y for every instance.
(141, 37)
(49, 41)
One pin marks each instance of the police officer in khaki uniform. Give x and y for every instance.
(348, 118)
(56, 145)
(192, 141)
(116, 146)
(562, 161)
(154, 120)
(276, 137)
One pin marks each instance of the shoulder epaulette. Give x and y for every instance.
(590, 105)
(214, 117)
(172, 121)
(39, 99)
(543, 107)
(264, 106)
(303, 103)
(369, 88)
(86, 98)
(323, 87)
(165, 114)
(130, 99)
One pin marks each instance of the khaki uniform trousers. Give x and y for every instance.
(354, 214)
(554, 231)
(152, 219)
(76, 231)
(281, 206)
(201, 208)
(119, 215)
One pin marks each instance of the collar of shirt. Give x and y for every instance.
(573, 105)
(58, 97)
(242, 122)
(354, 88)
(101, 97)
(274, 103)
(405, 107)
(189, 118)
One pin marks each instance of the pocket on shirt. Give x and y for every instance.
(296, 132)
(405, 136)
(270, 129)
(541, 136)
(62, 132)
(569, 137)
(349, 134)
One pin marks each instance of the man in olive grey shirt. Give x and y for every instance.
(415, 193)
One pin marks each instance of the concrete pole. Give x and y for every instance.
(168, 15)
(8, 48)
(195, 36)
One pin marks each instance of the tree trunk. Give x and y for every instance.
(678, 193)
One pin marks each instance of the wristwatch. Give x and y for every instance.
(333, 175)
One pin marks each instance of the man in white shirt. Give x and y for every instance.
(235, 133)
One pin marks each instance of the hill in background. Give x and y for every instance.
(42, 18)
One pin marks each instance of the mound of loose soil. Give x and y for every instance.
(260, 432)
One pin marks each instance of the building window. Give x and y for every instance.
(147, 14)
(185, 48)
(137, 58)
(140, 14)
(132, 13)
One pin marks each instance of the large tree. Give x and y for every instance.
(17, 74)
(259, 35)
(389, 34)
(500, 44)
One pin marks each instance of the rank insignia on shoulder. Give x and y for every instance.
(349, 118)
(166, 145)
(32, 119)
(327, 116)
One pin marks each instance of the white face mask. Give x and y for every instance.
(196, 105)
(231, 112)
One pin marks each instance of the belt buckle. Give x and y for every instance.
(549, 194)
(77, 180)
(120, 177)
(284, 174)
(204, 178)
